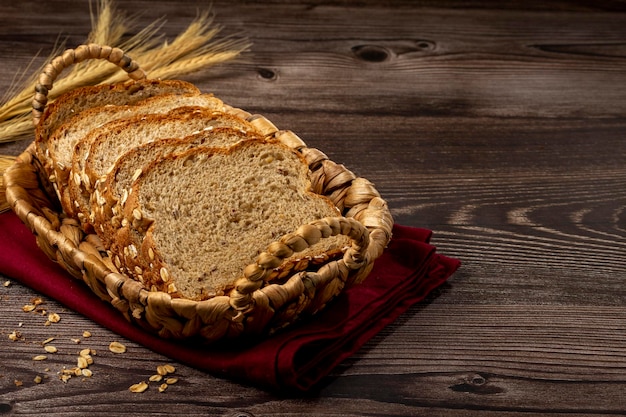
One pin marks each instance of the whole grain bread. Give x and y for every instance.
(62, 142)
(113, 191)
(72, 103)
(96, 153)
(205, 214)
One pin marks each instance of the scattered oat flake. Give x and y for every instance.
(82, 362)
(28, 308)
(15, 335)
(86, 334)
(87, 373)
(18, 383)
(170, 381)
(85, 352)
(140, 387)
(117, 347)
(163, 387)
(54, 318)
(36, 301)
(156, 378)
(50, 349)
(40, 358)
(7, 283)
(165, 369)
(38, 379)
(77, 341)
(48, 340)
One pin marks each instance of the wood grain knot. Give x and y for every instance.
(424, 46)
(5, 408)
(476, 384)
(371, 53)
(394, 49)
(267, 74)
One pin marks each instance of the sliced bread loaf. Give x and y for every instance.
(205, 215)
(72, 103)
(62, 142)
(96, 154)
(113, 191)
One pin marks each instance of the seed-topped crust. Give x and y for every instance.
(261, 193)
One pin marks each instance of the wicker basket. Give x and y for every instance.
(261, 302)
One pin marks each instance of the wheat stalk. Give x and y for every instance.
(105, 28)
(194, 49)
(17, 102)
(17, 127)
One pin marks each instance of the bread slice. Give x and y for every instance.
(207, 213)
(96, 154)
(74, 102)
(110, 193)
(62, 142)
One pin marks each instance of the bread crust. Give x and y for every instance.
(74, 102)
(70, 138)
(69, 104)
(138, 251)
(86, 177)
(107, 216)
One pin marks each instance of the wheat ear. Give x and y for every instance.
(194, 49)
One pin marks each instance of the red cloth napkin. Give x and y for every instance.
(296, 359)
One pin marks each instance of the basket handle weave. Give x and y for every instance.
(73, 56)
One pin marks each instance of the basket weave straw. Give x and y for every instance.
(261, 302)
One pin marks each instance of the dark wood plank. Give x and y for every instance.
(499, 126)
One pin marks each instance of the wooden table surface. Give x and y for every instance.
(499, 127)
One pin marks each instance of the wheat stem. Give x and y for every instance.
(192, 50)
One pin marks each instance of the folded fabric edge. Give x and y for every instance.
(439, 271)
